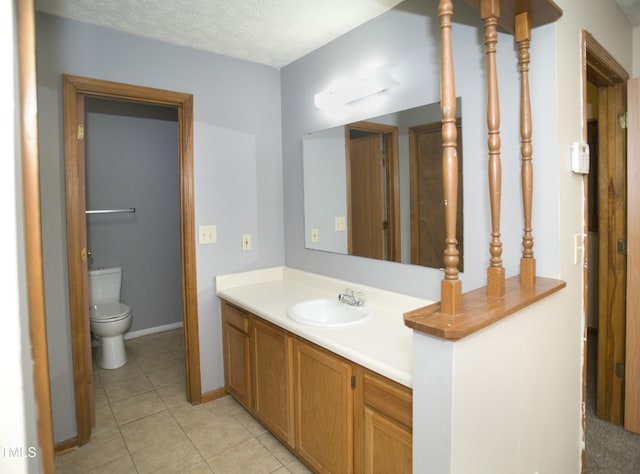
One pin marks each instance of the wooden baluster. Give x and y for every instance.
(451, 287)
(523, 38)
(490, 12)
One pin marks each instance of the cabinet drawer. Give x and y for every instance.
(236, 317)
(388, 397)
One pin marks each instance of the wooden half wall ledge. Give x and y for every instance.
(480, 311)
(542, 12)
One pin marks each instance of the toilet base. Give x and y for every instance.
(111, 353)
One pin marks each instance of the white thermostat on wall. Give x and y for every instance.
(580, 158)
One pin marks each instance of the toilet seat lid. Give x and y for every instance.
(109, 311)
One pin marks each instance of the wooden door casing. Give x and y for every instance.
(632, 364)
(72, 88)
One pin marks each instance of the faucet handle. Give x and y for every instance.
(359, 297)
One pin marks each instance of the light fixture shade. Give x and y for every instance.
(350, 90)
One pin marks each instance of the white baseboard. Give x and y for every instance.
(146, 332)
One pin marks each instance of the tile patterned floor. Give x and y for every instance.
(145, 425)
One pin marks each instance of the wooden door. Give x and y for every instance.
(237, 361)
(612, 260)
(85, 253)
(77, 259)
(367, 216)
(73, 87)
(272, 378)
(323, 409)
(428, 231)
(373, 190)
(632, 365)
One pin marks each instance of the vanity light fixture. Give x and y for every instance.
(358, 87)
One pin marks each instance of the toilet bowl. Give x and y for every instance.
(109, 318)
(109, 322)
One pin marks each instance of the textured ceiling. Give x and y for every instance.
(272, 32)
(631, 9)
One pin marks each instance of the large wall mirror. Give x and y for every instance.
(374, 188)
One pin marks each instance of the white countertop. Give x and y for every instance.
(382, 343)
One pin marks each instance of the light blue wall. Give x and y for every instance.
(238, 171)
(132, 161)
(408, 40)
(249, 123)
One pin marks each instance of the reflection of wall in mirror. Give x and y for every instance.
(325, 195)
(325, 190)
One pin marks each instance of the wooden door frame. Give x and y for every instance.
(72, 87)
(632, 356)
(30, 163)
(600, 68)
(393, 181)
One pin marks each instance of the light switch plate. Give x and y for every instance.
(246, 242)
(340, 223)
(207, 234)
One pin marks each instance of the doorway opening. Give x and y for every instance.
(606, 224)
(75, 89)
(373, 182)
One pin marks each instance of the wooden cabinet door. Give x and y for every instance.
(323, 409)
(387, 426)
(235, 340)
(387, 444)
(272, 378)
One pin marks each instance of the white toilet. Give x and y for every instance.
(109, 318)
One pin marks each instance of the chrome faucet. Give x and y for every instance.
(351, 297)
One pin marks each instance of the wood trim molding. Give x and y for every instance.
(73, 86)
(33, 231)
(66, 446)
(602, 68)
(215, 394)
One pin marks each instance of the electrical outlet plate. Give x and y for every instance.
(314, 234)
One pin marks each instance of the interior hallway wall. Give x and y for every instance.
(132, 161)
(236, 140)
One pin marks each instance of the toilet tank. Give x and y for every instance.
(104, 285)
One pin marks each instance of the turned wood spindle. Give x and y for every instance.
(451, 286)
(523, 39)
(490, 12)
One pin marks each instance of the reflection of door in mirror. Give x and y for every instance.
(372, 190)
(427, 204)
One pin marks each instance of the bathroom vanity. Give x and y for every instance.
(339, 397)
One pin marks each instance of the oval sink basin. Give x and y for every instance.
(327, 312)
